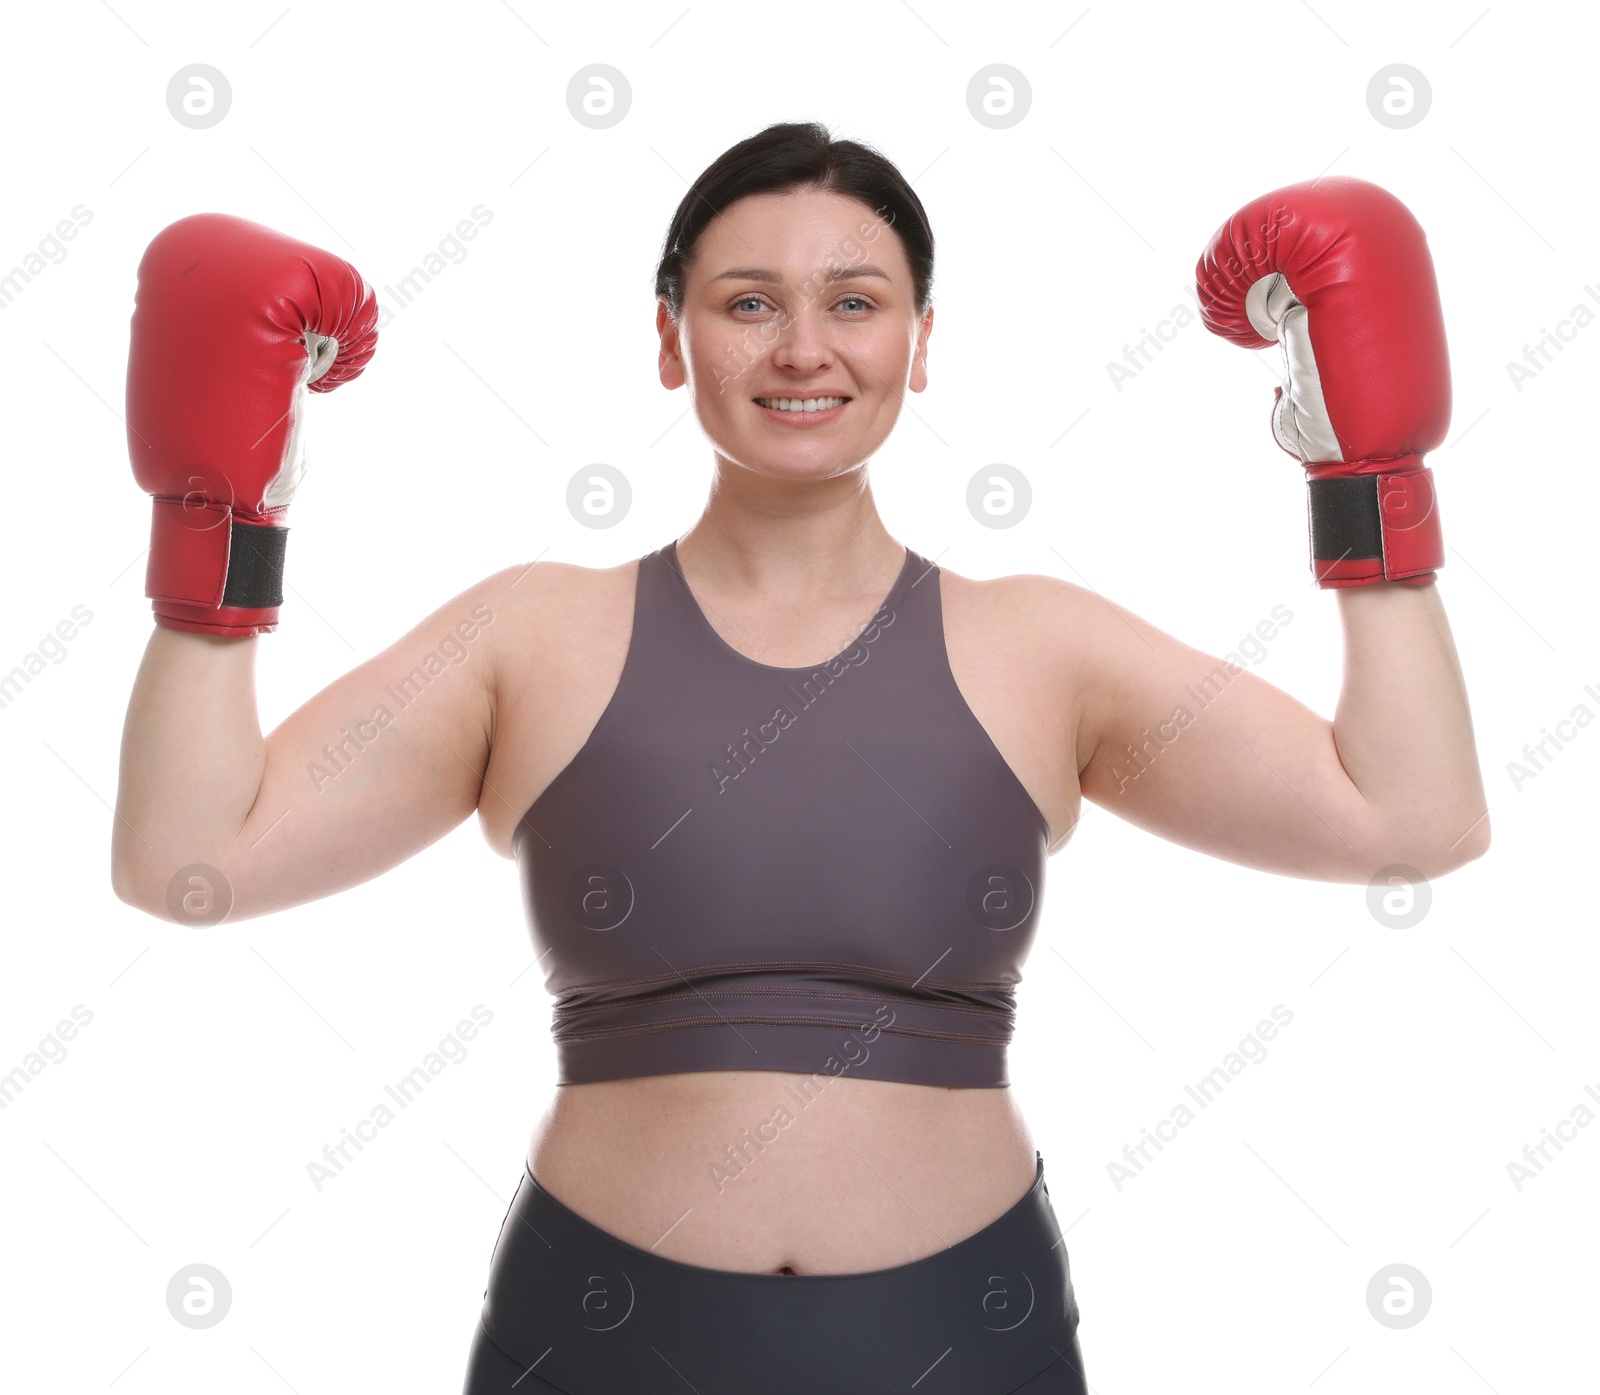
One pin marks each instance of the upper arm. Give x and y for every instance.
(1208, 755)
(378, 765)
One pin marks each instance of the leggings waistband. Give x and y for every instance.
(590, 1312)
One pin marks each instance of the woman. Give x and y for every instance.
(781, 792)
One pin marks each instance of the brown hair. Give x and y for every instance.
(797, 155)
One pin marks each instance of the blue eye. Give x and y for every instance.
(757, 301)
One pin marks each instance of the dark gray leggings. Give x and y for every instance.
(574, 1310)
(491, 1372)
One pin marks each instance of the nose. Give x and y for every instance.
(802, 341)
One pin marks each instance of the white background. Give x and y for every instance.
(219, 1062)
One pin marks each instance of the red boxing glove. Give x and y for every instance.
(231, 323)
(1337, 271)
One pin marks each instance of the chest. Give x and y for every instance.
(562, 659)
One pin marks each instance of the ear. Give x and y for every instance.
(919, 356)
(669, 364)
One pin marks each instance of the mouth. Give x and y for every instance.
(815, 410)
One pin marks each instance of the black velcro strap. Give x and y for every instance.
(1345, 522)
(255, 566)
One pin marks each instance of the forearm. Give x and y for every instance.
(1403, 728)
(192, 759)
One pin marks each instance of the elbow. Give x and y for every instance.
(130, 882)
(1474, 843)
(124, 881)
(199, 894)
(130, 888)
(134, 886)
(1437, 851)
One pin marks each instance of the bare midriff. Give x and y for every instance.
(702, 1168)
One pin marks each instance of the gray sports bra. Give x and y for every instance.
(825, 870)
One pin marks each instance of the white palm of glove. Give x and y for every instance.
(321, 351)
(1300, 421)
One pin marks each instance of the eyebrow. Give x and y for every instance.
(761, 273)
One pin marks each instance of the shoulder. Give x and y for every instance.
(1068, 640)
(544, 592)
(544, 608)
(1053, 613)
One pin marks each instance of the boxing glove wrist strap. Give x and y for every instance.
(1373, 527)
(255, 566)
(202, 554)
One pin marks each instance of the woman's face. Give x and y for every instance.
(799, 295)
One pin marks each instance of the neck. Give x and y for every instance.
(772, 537)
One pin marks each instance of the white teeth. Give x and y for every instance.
(802, 404)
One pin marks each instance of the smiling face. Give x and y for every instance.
(799, 297)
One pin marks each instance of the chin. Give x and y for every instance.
(785, 467)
